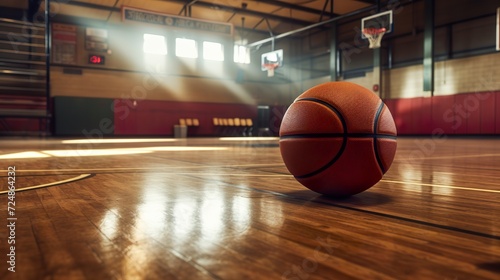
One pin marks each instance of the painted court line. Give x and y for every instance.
(230, 174)
(82, 176)
(440, 186)
(453, 157)
(146, 168)
(221, 174)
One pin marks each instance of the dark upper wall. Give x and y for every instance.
(463, 28)
(467, 31)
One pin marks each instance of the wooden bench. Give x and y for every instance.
(233, 126)
(189, 122)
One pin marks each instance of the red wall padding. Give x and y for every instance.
(148, 117)
(21, 125)
(487, 110)
(497, 114)
(462, 114)
(443, 116)
(400, 110)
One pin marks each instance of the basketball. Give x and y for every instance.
(338, 139)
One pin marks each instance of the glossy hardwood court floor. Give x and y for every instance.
(228, 209)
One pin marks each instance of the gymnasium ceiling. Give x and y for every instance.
(262, 15)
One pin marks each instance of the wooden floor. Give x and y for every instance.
(228, 209)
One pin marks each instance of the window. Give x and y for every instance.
(186, 48)
(241, 54)
(213, 51)
(154, 44)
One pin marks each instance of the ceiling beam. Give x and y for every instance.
(244, 11)
(93, 6)
(295, 7)
(371, 2)
(206, 5)
(187, 5)
(316, 25)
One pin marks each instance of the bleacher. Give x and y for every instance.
(24, 97)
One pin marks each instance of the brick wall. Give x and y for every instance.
(471, 74)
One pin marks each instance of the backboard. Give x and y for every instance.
(271, 60)
(377, 21)
(274, 57)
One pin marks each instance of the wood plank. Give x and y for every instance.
(171, 212)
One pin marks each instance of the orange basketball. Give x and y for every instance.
(338, 139)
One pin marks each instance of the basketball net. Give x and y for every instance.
(374, 36)
(270, 68)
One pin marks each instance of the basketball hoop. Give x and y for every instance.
(374, 35)
(270, 68)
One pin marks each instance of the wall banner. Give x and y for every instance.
(138, 15)
(63, 43)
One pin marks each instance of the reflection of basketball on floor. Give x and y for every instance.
(338, 139)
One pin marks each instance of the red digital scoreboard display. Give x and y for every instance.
(96, 59)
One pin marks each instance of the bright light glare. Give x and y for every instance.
(241, 213)
(154, 44)
(187, 149)
(109, 225)
(24, 155)
(152, 216)
(241, 54)
(109, 141)
(212, 216)
(126, 151)
(213, 51)
(272, 57)
(186, 48)
(96, 152)
(107, 152)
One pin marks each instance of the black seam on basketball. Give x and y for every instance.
(338, 135)
(343, 135)
(313, 135)
(329, 106)
(385, 136)
(375, 130)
